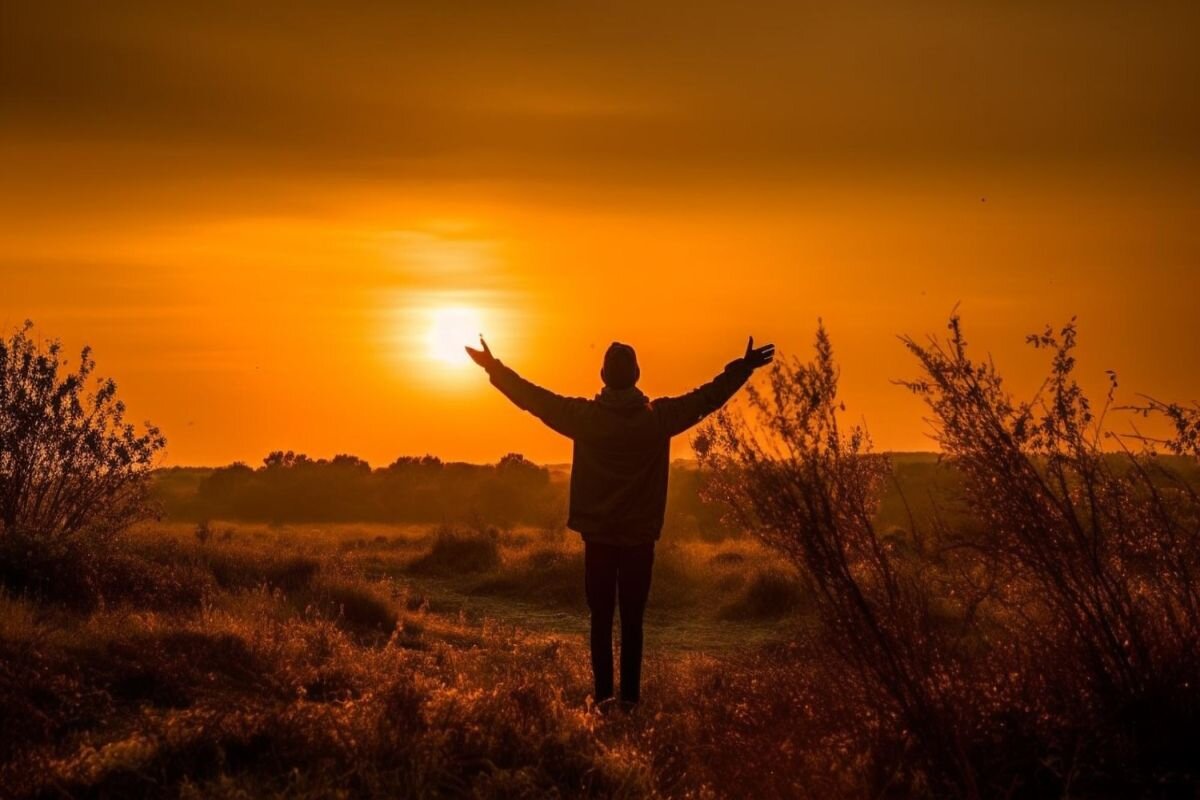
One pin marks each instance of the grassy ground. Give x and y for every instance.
(705, 595)
(428, 661)
(415, 661)
(387, 661)
(405, 661)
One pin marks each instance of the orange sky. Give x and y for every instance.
(254, 215)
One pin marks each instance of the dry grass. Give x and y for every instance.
(1023, 621)
(307, 661)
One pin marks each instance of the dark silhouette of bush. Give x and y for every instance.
(769, 594)
(457, 551)
(1052, 619)
(810, 490)
(1105, 547)
(1184, 421)
(359, 608)
(73, 473)
(251, 568)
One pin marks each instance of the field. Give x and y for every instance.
(399, 660)
(1018, 619)
(390, 660)
(235, 659)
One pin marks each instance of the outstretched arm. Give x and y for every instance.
(562, 414)
(680, 413)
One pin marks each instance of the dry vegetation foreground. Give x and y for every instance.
(1020, 620)
(381, 661)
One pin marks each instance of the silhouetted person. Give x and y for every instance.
(619, 484)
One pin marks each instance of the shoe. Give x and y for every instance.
(607, 706)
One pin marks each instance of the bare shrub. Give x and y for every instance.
(1047, 633)
(1184, 422)
(1100, 552)
(809, 489)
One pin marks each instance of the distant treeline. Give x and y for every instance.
(291, 487)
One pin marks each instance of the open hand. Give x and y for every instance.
(758, 356)
(484, 357)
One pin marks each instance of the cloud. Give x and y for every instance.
(620, 93)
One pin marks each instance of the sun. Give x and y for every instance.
(450, 329)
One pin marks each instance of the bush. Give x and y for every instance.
(456, 552)
(359, 607)
(547, 576)
(250, 568)
(810, 491)
(68, 574)
(1056, 623)
(769, 595)
(73, 473)
(1106, 547)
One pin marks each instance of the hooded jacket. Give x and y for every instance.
(621, 448)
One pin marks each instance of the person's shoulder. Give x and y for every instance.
(665, 400)
(660, 406)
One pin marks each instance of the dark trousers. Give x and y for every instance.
(617, 574)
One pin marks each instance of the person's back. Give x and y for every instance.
(619, 478)
(619, 472)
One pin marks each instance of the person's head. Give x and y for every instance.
(620, 370)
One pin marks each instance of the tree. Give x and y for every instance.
(71, 468)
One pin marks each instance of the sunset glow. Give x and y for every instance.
(639, 399)
(335, 229)
(450, 330)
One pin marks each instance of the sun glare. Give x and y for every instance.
(450, 329)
